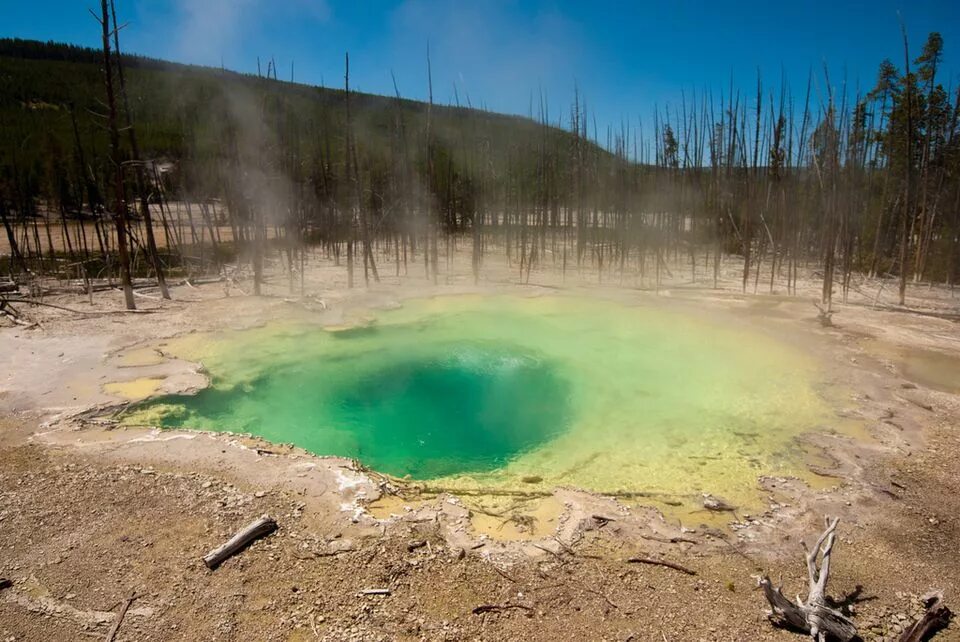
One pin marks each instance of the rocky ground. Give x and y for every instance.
(91, 516)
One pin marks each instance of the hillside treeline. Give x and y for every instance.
(223, 166)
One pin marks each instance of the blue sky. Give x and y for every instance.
(626, 57)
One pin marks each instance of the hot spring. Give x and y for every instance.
(507, 392)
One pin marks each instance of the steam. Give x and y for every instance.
(206, 30)
(210, 30)
(494, 58)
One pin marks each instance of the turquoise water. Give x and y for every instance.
(490, 391)
(441, 409)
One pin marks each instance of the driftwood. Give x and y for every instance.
(123, 612)
(653, 562)
(244, 537)
(937, 617)
(815, 616)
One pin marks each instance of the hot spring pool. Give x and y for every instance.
(479, 392)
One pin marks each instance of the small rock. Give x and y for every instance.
(717, 504)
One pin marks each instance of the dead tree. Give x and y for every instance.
(120, 206)
(152, 253)
(815, 616)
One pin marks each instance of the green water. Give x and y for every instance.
(490, 391)
(424, 410)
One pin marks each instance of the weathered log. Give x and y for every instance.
(936, 617)
(814, 617)
(244, 537)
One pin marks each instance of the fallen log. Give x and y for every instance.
(935, 618)
(653, 562)
(244, 537)
(814, 617)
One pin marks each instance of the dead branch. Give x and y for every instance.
(655, 562)
(11, 313)
(499, 608)
(814, 616)
(503, 573)
(669, 540)
(935, 618)
(602, 520)
(82, 312)
(375, 591)
(123, 612)
(244, 537)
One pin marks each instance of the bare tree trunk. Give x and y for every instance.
(906, 228)
(120, 206)
(152, 253)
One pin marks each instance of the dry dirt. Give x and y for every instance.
(91, 514)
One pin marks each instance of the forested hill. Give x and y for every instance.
(52, 107)
(869, 185)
